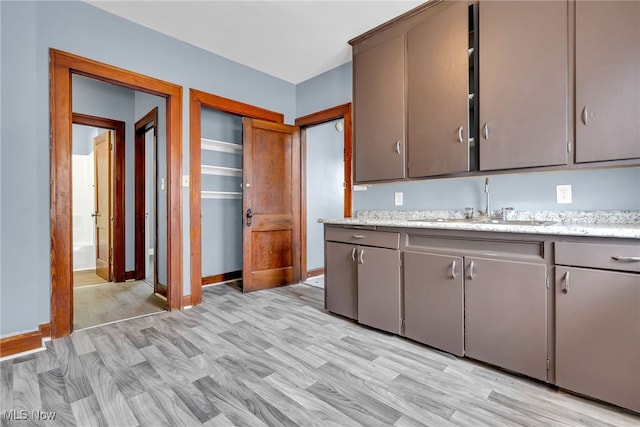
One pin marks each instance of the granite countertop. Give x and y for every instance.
(621, 224)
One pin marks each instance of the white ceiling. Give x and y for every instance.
(291, 40)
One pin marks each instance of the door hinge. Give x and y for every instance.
(548, 282)
(548, 364)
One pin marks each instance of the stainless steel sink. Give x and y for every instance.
(484, 220)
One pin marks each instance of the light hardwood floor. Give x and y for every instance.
(86, 278)
(273, 357)
(108, 302)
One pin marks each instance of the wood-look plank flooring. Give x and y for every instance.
(86, 278)
(276, 358)
(108, 302)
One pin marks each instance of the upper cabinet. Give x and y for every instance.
(607, 80)
(438, 93)
(523, 92)
(379, 103)
(497, 85)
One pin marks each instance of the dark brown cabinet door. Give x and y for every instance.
(438, 93)
(506, 314)
(379, 109)
(341, 285)
(523, 76)
(379, 288)
(598, 334)
(607, 80)
(434, 300)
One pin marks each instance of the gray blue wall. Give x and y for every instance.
(607, 189)
(324, 91)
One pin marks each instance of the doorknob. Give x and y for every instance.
(249, 216)
(93, 215)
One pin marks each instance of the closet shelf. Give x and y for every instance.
(220, 170)
(221, 195)
(221, 146)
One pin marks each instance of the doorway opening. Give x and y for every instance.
(150, 231)
(213, 118)
(326, 160)
(62, 68)
(99, 202)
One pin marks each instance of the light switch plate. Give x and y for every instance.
(563, 194)
(399, 199)
(185, 180)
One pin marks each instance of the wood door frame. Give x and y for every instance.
(344, 112)
(140, 172)
(117, 186)
(197, 100)
(62, 66)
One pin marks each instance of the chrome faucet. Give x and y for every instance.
(487, 211)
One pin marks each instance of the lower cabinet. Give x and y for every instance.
(434, 300)
(506, 314)
(598, 334)
(379, 288)
(341, 282)
(491, 299)
(362, 276)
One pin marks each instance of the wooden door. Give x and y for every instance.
(506, 314)
(341, 281)
(598, 334)
(434, 300)
(271, 205)
(438, 93)
(607, 80)
(379, 112)
(523, 84)
(102, 147)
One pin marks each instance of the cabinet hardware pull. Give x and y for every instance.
(358, 236)
(460, 134)
(453, 270)
(353, 254)
(565, 289)
(626, 258)
(398, 147)
(472, 272)
(361, 256)
(485, 130)
(585, 115)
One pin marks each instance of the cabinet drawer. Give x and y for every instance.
(381, 239)
(597, 255)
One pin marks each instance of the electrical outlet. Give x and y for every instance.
(399, 199)
(563, 193)
(185, 180)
